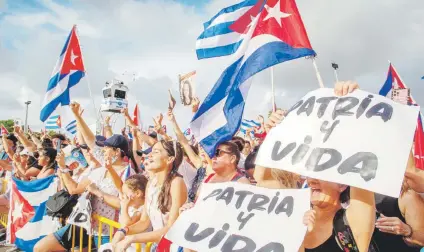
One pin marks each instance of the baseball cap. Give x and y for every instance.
(26, 152)
(115, 141)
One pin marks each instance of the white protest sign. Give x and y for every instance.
(361, 139)
(239, 217)
(81, 214)
(108, 248)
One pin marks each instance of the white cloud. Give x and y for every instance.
(155, 39)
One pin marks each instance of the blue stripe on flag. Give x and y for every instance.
(34, 185)
(25, 245)
(39, 211)
(66, 43)
(230, 81)
(63, 99)
(219, 51)
(230, 9)
(385, 89)
(220, 29)
(51, 127)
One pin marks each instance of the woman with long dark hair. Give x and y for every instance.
(165, 194)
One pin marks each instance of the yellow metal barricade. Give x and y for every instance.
(112, 225)
(4, 216)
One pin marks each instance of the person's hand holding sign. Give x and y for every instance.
(274, 119)
(343, 88)
(195, 104)
(309, 219)
(172, 101)
(60, 159)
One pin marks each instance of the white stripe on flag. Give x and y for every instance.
(209, 121)
(219, 40)
(228, 17)
(33, 230)
(57, 91)
(36, 198)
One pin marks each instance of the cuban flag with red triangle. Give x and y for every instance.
(394, 81)
(28, 221)
(68, 72)
(243, 39)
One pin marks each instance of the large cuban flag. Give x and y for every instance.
(394, 81)
(67, 73)
(245, 38)
(27, 217)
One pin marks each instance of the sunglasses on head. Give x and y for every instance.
(220, 152)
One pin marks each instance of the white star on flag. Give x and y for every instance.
(17, 210)
(73, 57)
(276, 13)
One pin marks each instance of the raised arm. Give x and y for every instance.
(361, 216)
(30, 146)
(194, 158)
(107, 127)
(82, 126)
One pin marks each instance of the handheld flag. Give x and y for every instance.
(394, 81)
(136, 117)
(67, 73)
(53, 123)
(247, 124)
(251, 36)
(4, 131)
(28, 220)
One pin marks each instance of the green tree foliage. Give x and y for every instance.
(8, 124)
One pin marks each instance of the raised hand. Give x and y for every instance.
(195, 104)
(309, 219)
(75, 108)
(60, 159)
(345, 87)
(170, 115)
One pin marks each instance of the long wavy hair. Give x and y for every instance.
(174, 150)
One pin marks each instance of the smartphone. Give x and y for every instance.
(401, 95)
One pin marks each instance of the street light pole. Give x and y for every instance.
(27, 103)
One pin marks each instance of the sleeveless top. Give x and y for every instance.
(157, 218)
(330, 245)
(389, 207)
(236, 177)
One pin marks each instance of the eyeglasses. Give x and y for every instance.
(220, 152)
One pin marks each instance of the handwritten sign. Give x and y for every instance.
(361, 139)
(81, 214)
(238, 217)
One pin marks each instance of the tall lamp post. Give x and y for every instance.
(27, 103)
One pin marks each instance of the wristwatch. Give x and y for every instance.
(66, 170)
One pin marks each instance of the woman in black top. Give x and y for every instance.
(400, 226)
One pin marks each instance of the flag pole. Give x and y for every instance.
(272, 89)
(86, 77)
(320, 81)
(335, 67)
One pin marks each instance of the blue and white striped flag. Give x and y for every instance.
(28, 220)
(53, 123)
(242, 40)
(247, 124)
(72, 127)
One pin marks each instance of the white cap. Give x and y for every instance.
(25, 152)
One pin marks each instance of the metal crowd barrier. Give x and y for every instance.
(4, 216)
(112, 225)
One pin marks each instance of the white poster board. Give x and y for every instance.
(187, 88)
(239, 217)
(361, 139)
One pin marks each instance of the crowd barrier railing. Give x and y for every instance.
(112, 226)
(4, 217)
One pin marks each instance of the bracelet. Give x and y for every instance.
(123, 230)
(410, 234)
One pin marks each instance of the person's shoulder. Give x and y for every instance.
(243, 180)
(178, 182)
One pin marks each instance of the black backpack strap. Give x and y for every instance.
(344, 235)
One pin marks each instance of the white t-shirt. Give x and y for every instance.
(188, 172)
(106, 185)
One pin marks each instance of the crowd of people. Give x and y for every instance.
(145, 182)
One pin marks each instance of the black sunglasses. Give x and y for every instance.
(220, 152)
